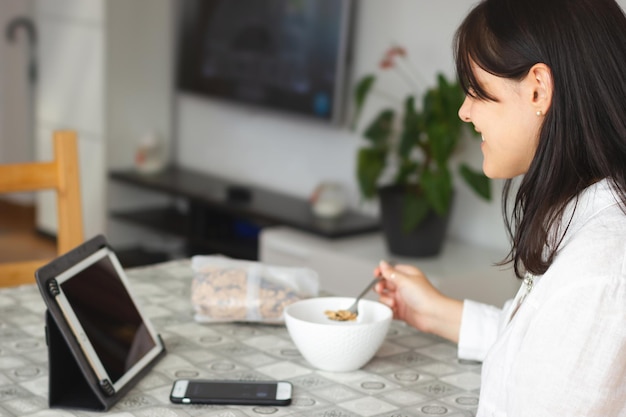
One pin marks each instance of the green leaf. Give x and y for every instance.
(414, 211)
(379, 131)
(370, 164)
(454, 97)
(361, 91)
(441, 105)
(409, 138)
(477, 181)
(442, 142)
(437, 187)
(429, 106)
(442, 82)
(406, 170)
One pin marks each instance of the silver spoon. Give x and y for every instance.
(354, 308)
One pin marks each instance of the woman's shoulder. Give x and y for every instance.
(595, 236)
(587, 279)
(593, 251)
(593, 262)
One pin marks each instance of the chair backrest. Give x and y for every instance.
(61, 175)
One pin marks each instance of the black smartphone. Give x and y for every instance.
(204, 391)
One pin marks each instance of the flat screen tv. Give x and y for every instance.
(288, 55)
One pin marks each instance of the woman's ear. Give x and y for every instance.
(540, 81)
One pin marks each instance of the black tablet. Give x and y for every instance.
(94, 298)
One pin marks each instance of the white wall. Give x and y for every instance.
(139, 75)
(16, 91)
(16, 102)
(293, 155)
(139, 79)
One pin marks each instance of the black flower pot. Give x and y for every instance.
(425, 240)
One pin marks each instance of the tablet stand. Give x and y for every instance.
(68, 386)
(72, 382)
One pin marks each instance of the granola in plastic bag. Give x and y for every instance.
(225, 289)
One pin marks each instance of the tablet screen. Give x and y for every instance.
(94, 297)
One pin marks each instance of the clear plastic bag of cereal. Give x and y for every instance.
(225, 289)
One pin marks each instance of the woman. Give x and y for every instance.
(545, 84)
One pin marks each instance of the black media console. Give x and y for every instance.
(224, 217)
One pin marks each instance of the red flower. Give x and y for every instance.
(397, 50)
(388, 60)
(386, 63)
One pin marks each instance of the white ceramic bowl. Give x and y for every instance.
(337, 346)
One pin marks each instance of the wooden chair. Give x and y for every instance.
(61, 175)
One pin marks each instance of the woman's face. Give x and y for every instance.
(509, 126)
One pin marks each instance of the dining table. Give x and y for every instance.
(412, 374)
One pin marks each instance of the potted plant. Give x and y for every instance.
(415, 140)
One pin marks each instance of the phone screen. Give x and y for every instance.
(232, 392)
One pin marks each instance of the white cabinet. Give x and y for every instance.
(345, 265)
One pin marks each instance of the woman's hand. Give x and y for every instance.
(413, 299)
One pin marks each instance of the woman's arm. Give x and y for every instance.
(480, 325)
(413, 299)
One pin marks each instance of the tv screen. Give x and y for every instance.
(288, 55)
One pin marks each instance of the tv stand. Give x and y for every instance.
(221, 216)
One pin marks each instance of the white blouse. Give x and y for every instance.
(562, 352)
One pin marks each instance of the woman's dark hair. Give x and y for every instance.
(583, 136)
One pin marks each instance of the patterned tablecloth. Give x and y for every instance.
(413, 374)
